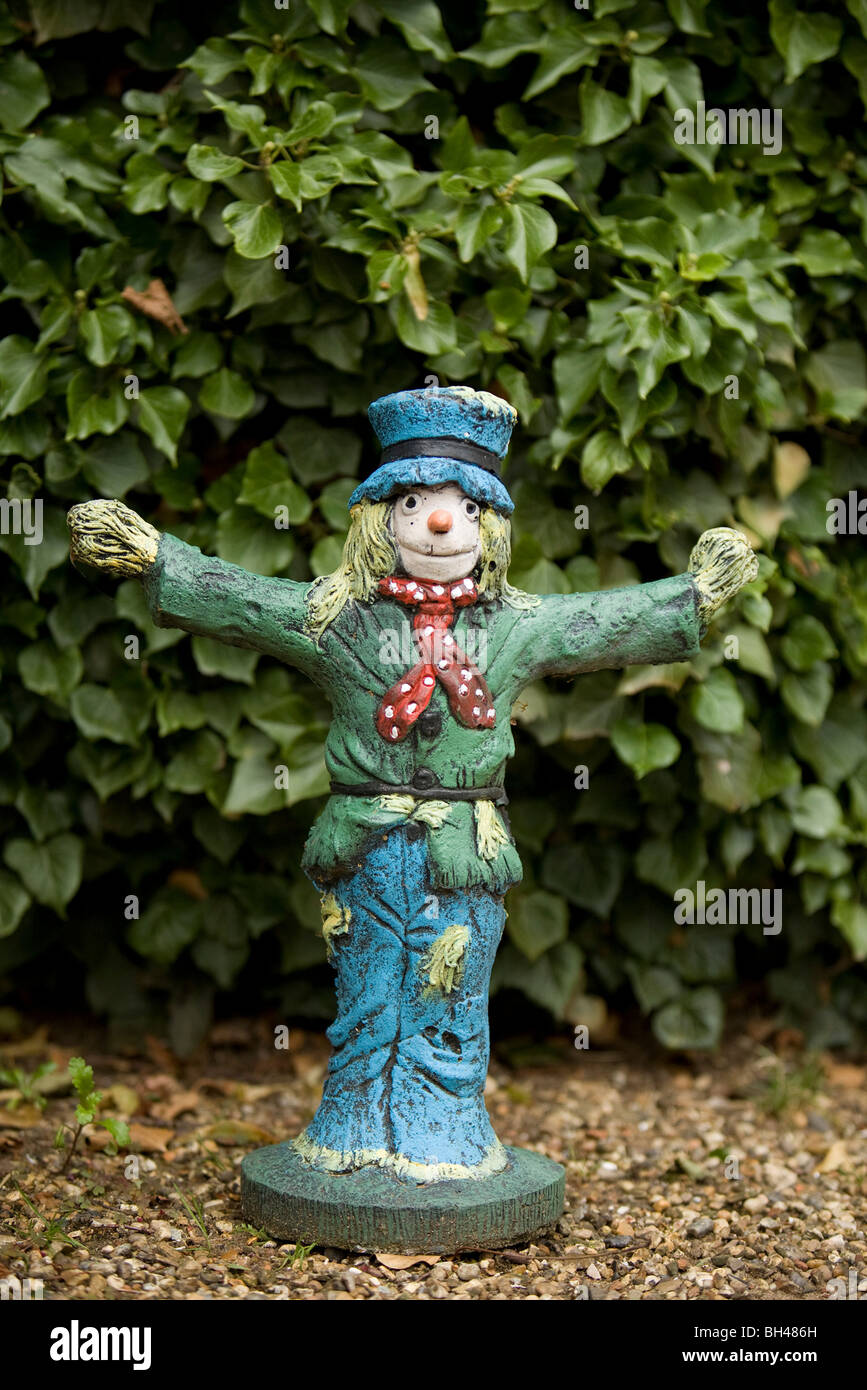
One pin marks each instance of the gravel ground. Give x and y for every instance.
(739, 1176)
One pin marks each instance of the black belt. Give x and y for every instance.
(374, 788)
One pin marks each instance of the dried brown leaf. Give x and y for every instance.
(189, 882)
(123, 1099)
(22, 1117)
(406, 1261)
(156, 302)
(170, 1109)
(26, 1047)
(148, 1139)
(845, 1074)
(236, 1133)
(837, 1157)
(791, 466)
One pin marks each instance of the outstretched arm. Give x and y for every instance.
(643, 624)
(197, 592)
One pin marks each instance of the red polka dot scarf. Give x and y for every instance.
(441, 660)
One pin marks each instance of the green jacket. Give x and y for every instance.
(354, 664)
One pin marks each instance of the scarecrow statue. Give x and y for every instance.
(421, 645)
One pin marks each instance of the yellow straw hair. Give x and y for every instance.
(495, 533)
(444, 962)
(491, 834)
(335, 920)
(369, 554)
(432, 813)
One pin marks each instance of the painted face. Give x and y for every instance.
(437, 532)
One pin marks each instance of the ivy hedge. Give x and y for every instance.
(347, 197)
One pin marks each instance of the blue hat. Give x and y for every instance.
(444, 434)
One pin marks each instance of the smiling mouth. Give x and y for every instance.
(438, 554)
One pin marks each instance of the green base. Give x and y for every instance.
(371, 1209)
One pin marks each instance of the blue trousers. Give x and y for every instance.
(405, 1082)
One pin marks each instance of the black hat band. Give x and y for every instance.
(446, 446)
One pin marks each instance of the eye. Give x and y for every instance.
(471, 508)
(410, 503)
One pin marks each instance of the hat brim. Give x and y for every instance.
(483, 487)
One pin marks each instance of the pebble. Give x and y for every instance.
(818, 1122)
(702, 1227)
(756, 1204)
(642, 1185)
(779, 1177)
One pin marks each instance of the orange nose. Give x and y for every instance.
(440, 521)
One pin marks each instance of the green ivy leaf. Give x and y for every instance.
(146, 184)
(837, 373)
(101, 712)
(23, 91)
(103, 331)
(588, 876)
(246, 117)
(503, 38)
(317, 452)
(94, 407)
(170, 922)
(267, 486)
(647, 78)
(245, 538)
(14, 902)
(251, 282)
(816, 812)
(114, 467)
(563, 51)
(851, 919)
(51, 872)
(530, 232)
(536, 922)
(551, 981)
(644, 747)
(199, 354)
(660, 347)
(213, 61)
(806, 642)
(653, 984)
(389, 75)
(315, 121)
(826, 252)
(433, 334)
(311, 178)
(227, 393)
(802, 38)
(475, 226)
(257, 230)
(603, 456)
(717, 703)
(331, 15)
(162, 415)
(421, 24)
(47, 671)
(808, 695)
(694, 1020)
(208, 163)
(191, 769)
(604, 114)
(23, 375)
(576, 376)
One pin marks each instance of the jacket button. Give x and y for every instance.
(430, 723)
(424, 779)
